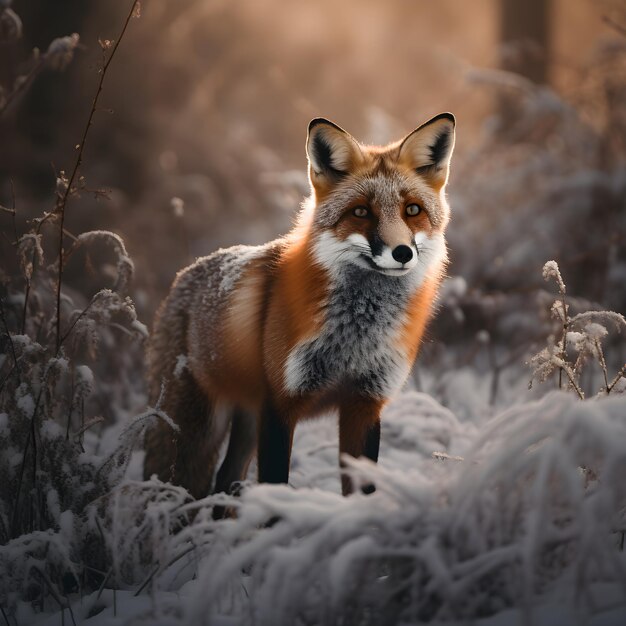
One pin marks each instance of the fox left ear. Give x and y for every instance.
(428, 149)
(332, 153)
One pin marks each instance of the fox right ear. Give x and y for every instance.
(428, 149)
(331, 151)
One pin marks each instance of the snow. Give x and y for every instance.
(26, 404)
(499, 527)
(181, 365)
(234, 263)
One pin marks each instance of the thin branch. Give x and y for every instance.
(614, 25)
(62, 202)
(4, 380)
(13, 212)
(26, 297)
(572, 379)
(617, 378)
(73, 325)
(602, 362)
(150, 576)
(31, 435)
(63, 603)
(105, 580)
(23, 84)
(6, 619)
(95, 421)
(564, 337)
(6, 328)
(171, 562)
(70, 409)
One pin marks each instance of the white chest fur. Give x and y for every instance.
(359, 341)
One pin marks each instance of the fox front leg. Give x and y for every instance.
(359, 434)
(274, 445)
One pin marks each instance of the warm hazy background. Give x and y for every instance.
(210, 101)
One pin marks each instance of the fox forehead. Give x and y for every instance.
(385, 188)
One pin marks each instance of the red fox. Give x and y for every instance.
(329, 317)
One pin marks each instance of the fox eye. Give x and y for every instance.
(360, 211)
(413, 209)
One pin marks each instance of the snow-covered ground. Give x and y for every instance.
(521, 523)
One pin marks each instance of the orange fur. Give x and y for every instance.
(257, 329)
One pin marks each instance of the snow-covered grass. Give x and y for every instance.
(528, 525)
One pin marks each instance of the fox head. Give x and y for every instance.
(380, 208)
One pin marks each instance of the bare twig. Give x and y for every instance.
(71, 406)
(88, 425)
(24, 83)
(62, 201)
(4, 380)
(28, 278)
(73, 325)
(13, 212)
(31, 435)
(171, 562)
(564, 337)
(6, 329)
(62, 602)
(617, 378)
(105, 580)
(26, 297)
(572, 379)
(602, 362)
(150, 576)
(614, 25)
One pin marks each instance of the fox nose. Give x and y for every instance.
(402, 254)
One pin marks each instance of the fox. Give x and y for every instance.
(326, 319)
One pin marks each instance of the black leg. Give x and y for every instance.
(372, 442)
(241, 446)
(370, 450)
(234, 468)
(274, 448)
(359, 433)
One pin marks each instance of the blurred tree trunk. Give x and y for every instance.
(524, 50)
(524, 36)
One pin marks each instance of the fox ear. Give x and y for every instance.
(331, 151)
(428, 149)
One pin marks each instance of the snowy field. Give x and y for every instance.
(515, 518)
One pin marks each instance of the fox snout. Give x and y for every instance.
(403, 254)
(399, 257)
(393, 248)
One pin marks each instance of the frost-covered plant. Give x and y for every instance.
(49, 342)
(47, 478)
(57, 57)
(512, 525)
(579, 342)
